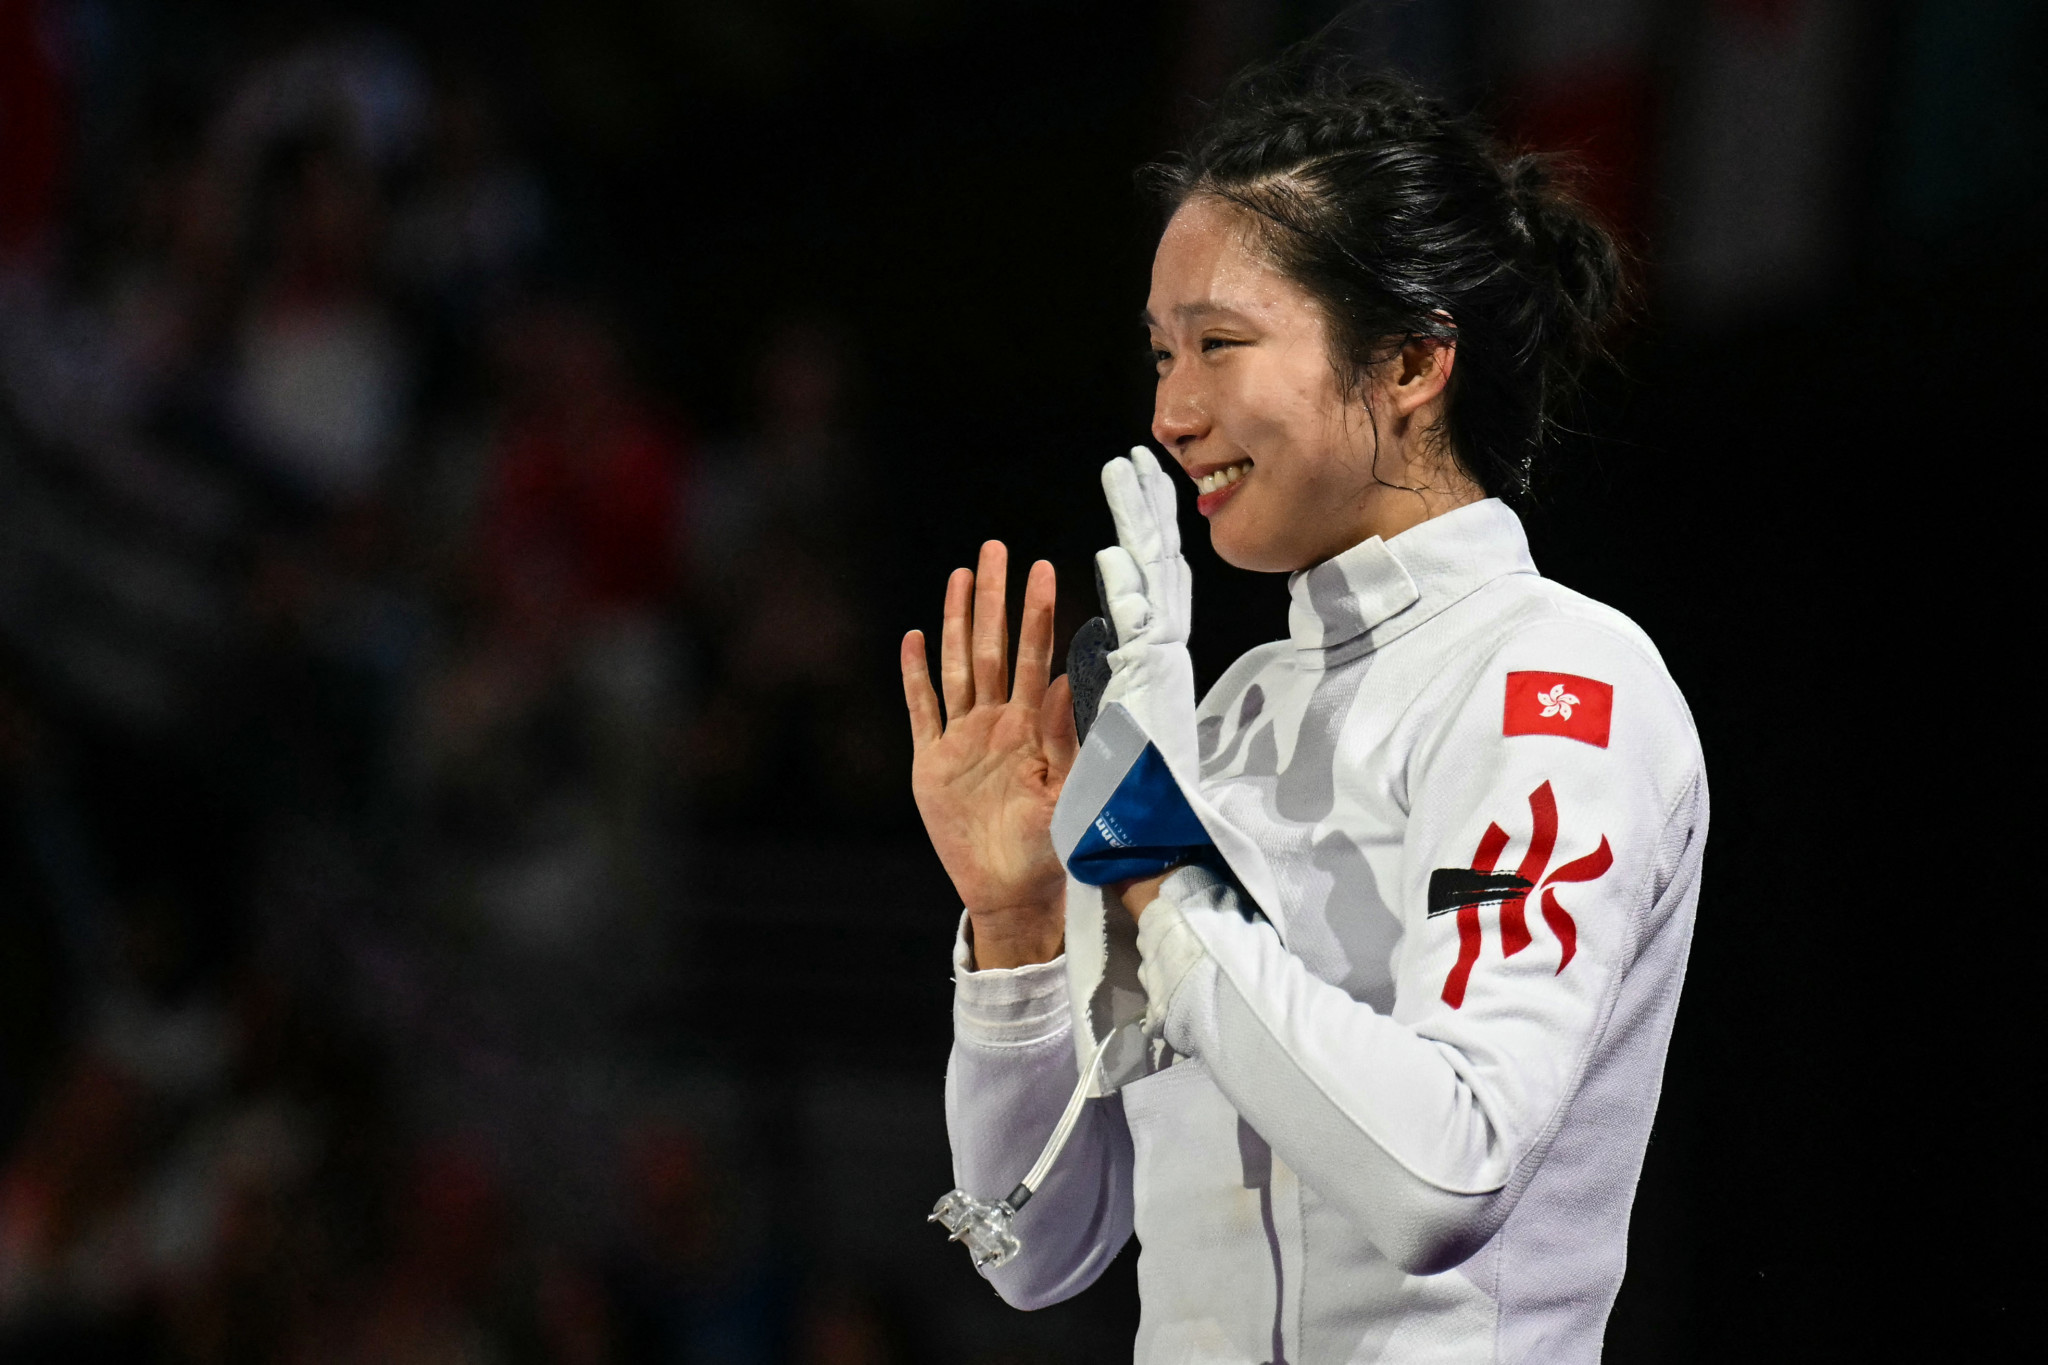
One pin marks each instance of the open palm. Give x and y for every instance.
(987, 776)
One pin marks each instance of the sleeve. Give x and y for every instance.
(1531, 856)
(1011, 1072)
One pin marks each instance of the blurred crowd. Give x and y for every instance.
(375, 649)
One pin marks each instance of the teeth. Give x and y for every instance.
(1224, 477)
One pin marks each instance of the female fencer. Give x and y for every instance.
(1365, 963)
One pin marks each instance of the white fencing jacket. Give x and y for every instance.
(1399, 1114)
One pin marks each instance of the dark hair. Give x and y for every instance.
(1404, 220)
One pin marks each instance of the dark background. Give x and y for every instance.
(461, 897)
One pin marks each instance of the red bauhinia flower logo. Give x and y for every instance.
(1557, 702)
(1465, 892)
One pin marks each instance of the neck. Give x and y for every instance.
(1388, 509)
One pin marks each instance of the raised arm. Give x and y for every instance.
(986, 776)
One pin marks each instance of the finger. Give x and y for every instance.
(1162, 495)
(1034, 639)
(1123, 592)
(955, 674)
(991, 625)
(918, 697)
(1056, 724)
(1136, 528)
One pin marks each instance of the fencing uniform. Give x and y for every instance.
(1398, 1113)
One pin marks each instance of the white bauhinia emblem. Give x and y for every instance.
(1557, 702)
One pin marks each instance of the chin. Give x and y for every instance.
(1251, 553)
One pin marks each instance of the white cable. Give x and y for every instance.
(985, 1227)
(1065, 1127)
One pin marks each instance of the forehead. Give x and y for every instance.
(1208, 264)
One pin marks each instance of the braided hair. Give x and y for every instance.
(1404, 220)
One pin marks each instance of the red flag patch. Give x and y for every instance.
(1558, 704)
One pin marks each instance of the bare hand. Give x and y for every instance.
(986, 780)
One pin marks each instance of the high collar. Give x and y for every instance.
(1379, 590)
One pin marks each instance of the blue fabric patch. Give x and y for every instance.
(1145, 827)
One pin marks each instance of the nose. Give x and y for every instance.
(1180, 412)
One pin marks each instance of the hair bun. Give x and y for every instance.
(1573, 253)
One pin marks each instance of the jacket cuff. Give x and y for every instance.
(1006, 1006)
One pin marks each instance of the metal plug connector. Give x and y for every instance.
(984, 1227)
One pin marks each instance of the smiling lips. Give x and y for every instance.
(1217, 485)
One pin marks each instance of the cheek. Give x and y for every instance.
(1265, 410)
(1289, 425)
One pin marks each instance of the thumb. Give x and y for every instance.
(1056, 726)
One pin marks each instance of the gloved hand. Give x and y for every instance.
(1124, 812)
(1149, 596)
(1146, 590)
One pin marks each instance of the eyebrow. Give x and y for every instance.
(1188, 310)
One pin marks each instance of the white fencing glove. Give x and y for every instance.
(1133, 806)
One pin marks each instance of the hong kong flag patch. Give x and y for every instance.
(1558, 704)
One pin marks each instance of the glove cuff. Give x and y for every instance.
(1169, 949)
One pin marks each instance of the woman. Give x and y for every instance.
(1404, 1052)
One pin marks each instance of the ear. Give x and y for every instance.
(1420, 373)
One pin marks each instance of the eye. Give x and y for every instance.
(1218, 343)
(1160, 356)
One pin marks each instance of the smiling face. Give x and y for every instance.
(1290, 469)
